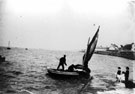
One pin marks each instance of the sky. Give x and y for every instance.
(66, 24)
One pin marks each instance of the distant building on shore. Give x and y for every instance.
(126, 51)
(113, 47)
(128, 47)
(101, 48)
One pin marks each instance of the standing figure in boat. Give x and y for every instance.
(62, 62)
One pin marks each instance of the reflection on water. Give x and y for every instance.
(25, 70)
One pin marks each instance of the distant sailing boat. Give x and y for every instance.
(8, 46)
(26, 48)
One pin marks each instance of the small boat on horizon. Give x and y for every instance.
(8, 46)
(26, 48)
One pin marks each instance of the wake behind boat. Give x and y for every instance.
(80, 70)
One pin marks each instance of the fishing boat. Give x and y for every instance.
(66, 74)
(26, 48)
(82, 70)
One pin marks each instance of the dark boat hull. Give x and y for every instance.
(8, 48)
(66, 74)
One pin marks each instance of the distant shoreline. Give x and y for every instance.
(125, 54)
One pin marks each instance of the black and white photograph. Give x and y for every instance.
(67, 46)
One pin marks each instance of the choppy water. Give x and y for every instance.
(26, 70)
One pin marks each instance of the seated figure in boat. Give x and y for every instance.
(71, 68)
(79, 66)
(62, 62)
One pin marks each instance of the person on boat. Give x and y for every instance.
(118, 75)
(71, 68)
(127, 74)
(62, 62)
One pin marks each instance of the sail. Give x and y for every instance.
(90, 48)
(8, 46)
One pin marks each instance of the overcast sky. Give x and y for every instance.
(66, 24)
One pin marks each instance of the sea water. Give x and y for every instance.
(24, 72)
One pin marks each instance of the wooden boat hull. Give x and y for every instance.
(66, 74)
